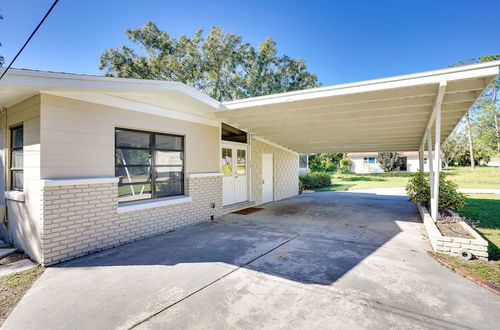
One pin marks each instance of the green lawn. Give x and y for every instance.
(484, 208)
(465, 177)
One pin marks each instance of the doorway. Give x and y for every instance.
(234, 169)
(404, 164)
(267, 178)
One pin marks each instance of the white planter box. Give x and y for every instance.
(478, 246)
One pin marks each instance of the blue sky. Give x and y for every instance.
(341, 41)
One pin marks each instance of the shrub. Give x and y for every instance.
(325, 162)
(419, 191)
(301, 187)
(345, 165)
(389, 161)
(315, 180)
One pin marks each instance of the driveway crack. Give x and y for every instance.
(211, 283)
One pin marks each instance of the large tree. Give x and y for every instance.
(482, 121)
(389, 161)
(218, 63)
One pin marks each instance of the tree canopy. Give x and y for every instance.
(480, 127)
(219, 63)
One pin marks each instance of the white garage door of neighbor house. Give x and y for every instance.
(234, 168)
(267, 178)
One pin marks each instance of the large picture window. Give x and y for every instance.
(148, 165)
(16, 158)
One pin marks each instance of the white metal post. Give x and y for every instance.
(421, 158)
(431, 168)
(437, 162)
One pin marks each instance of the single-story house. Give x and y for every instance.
(366, 162)
(91, 162)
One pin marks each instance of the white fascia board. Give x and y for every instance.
(53, 79)
(275, 145)
(432, 77)
(77, 181)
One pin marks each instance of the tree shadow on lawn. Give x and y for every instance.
(337, 187)
(487, 212)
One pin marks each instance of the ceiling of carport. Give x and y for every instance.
(389, 114)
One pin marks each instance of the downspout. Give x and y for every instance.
(3, 205)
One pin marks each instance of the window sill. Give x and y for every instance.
(14, 195)
(143, 205)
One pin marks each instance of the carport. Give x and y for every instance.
(403, 113)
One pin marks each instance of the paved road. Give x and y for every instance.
(331, 260)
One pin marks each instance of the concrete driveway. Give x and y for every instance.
(320, 260)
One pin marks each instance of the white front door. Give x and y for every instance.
(234, 168)
(267, 178)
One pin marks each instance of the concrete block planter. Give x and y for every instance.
(477, 246)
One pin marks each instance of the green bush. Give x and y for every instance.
(301, 187)
(418, 188)
(315, 180)
(345, 165)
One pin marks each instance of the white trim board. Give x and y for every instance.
(14, 195)
(152, 203)
(203, 175)
(77, 181)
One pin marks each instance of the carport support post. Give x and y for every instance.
(431, 169)
(437, 162)
(421, 158)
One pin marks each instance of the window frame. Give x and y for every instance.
(152, 153)
(12, 170)
(307, 161)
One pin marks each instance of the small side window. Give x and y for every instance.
(16, 158)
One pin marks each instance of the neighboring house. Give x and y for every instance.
(303, 164)
(367, 162)
(92, 162)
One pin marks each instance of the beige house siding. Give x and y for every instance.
(23, 224)
(285, 171)
(78, 138)
(81, 219)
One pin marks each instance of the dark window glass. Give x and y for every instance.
(133, 156)
(134, 192)
(134, 174)
(168, 173)
(169, 142)
(303, 161)
(132, 139)
(149, 165)
(170, 188)
(16, 158)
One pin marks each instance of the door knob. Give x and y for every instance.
(263, 181)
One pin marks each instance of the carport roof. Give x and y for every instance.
(390, 114)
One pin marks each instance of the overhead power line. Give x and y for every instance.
(28, 40)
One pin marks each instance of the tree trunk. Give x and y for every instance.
(495, 119)
(471, 142)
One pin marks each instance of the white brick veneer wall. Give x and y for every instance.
(453, 245)
(81, 219)
(285, 171)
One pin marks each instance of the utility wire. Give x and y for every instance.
(31, 36)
